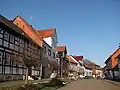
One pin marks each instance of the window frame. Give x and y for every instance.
(6, 36)
(49, 52)
(1, 57)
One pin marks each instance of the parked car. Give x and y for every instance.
(88, 77)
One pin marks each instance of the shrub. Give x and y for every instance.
(55, 82)
(28, 87)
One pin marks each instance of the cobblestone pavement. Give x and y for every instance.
(90, 84)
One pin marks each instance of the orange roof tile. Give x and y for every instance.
(70, 59)
(61, 49)
(46, 32)
(32, 32)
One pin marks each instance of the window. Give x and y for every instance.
(11, 70)
(38, 72)
(16, 38)
(23, 71)
(26, 45)
(7, 70)
(21, 50)
(53, 55)
(16, 43)
(20, 59)
(0, 69)
(1, 35)
(1, 57)
(1, 30)
(33, 72)
(21, 43)
(11, 38)
(11, 46)
(6, 36)
(14, 70)
(20, 70)
(5, 44)
(49, 52)
(44, 49)
(16, 48)
(20, 65)
(7, 61)
(14, 64)
(1, 41)
(17, 70)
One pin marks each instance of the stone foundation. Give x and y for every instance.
(5, 77)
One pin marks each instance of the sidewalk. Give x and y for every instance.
(113, 82)
(20, 82)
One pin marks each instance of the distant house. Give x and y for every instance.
(49, 57)
(80, 59)
(112, 65)
(62, 62)
(88, 71)
(92, 69)
(73, 66)
(14, 45)
(49, 36)
(32, 34)
(47, 39)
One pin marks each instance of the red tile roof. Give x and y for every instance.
(46, 32)
(91, 64)
(78, 57)
(70, 59)
(61, 49)
(30, 31)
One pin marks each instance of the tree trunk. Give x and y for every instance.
(60, 67)
(26, 77)
(113, 75)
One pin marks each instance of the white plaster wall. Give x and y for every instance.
(99, 72)
(48, 41)
(88, 72)
(73, 67)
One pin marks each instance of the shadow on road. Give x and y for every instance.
(113, 82)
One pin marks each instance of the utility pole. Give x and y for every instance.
(60, 66)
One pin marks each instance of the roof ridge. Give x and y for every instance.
(30, 27)
(46, 29)
(33, 31)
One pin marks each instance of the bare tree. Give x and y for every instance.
(27, 61)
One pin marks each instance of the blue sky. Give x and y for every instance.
(87, 27)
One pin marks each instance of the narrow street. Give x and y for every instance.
(92, 85)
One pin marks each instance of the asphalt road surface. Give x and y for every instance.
(90, 84)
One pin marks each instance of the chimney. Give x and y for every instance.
(31, 25)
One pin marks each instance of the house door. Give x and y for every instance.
(29, 71)
(43, 72)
